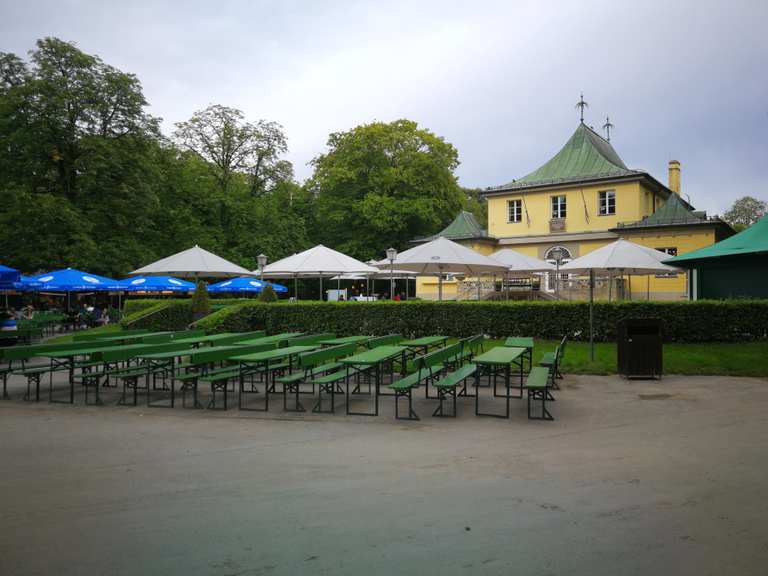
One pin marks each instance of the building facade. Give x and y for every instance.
(586, 197)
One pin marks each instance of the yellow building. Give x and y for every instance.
(585, 197)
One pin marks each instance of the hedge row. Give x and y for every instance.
(131, 307)
(164, 316)
(702, 321)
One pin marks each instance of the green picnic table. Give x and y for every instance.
(522, 342)
(222, 338)
(255, 362)
(499, 359)
(282, 337)
(374, 360)
(345, 340)
(423, 344)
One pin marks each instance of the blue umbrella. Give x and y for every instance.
(156, 284)
(9, 275)
(243, 284)
(71, 280)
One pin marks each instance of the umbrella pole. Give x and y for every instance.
(321, 287)
(610, 285)
(440, 287)
(591, 316)
(296, 288)
(648, 287)
(629, 286)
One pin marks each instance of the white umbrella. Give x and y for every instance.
(317, 262)
(521, 264)
(621, 256)
(193, 263)
(441, 256)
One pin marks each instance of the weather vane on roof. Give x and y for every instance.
(581, 104)
(607, 127)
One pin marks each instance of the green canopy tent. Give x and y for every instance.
(736, 267)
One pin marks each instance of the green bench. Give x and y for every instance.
(320, 367)
(210, 365)
(447, 387)
(552, 361)
(538, 388)
(426, 368)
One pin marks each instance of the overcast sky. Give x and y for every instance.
(685, 79)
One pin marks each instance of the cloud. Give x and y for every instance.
(497, 79)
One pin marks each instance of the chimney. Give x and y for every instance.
(674, 176)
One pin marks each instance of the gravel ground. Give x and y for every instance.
(631, 478)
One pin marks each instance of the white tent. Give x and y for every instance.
(619, 257)
(317, 262)
(519, 264)
(193, 263)
(442, 256)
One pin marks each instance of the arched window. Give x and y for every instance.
(565, 257)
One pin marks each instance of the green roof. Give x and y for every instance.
(464, 227)
(673, 213)
(750, 241)
(585, 156)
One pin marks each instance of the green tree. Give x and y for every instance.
(221, 136)
(745, 211)
(384, 184)
(267, 294)
(201, 306)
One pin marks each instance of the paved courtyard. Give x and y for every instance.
(666, 477)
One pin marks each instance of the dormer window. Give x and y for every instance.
(607, 202)
(558, 207)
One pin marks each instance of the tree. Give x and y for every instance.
(267, 294)
(745, 211)
(201, 306)
(384, 184)
(221, 136)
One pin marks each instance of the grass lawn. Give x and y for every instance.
(712, 358)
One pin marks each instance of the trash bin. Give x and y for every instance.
(639, 348)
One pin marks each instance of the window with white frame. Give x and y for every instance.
(607, 202)
(514, 211)
(558, 207)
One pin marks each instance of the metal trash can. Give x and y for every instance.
(640, 348)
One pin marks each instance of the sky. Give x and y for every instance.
(684, 80)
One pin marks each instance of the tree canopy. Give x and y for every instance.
(87, 179)
(745, 212)
(384, 184)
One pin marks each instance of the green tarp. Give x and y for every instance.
(753, 240)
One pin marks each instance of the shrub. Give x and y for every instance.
(163, 316)
(200, 304)
(267, 294)
(700, 321)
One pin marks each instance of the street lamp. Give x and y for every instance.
(261, 259)
(557, 254)
(391, 255)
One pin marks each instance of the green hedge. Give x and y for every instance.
(130, 307)
(701, 321)
(163, 316)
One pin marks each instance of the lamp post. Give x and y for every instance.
(261, 259)
(557, 255)
(391, 255)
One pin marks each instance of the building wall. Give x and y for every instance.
(633, 202)
(427, 287)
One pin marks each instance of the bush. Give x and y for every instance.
(138, 304)
(268, 294)
(200, 304)
(701, 321)
(163, 316)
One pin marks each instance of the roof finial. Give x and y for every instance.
(581, 104)
(607, 127)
